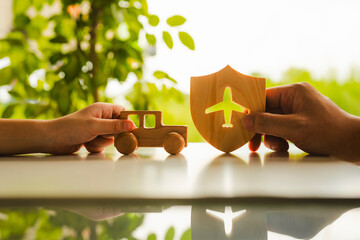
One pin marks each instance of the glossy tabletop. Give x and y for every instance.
(200, 194)
(200, 172)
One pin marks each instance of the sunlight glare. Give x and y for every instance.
(228, 217)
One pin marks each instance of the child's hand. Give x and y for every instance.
(91, 127)
(299, 113)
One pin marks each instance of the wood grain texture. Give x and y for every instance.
(207, 91)
(126, 143)
(152, 137)
(174, 143)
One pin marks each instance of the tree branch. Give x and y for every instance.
(93, 57)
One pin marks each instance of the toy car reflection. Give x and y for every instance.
(172, 138)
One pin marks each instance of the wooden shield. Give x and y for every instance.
(207, 91)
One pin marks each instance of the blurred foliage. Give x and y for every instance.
(41, 223)
(170, 235)
(64, 52)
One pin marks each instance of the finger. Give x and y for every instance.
(108, 135)
(115, 111)
(275, 110)
(276, 143)
(98, 144)
(273, 96)
(276, 156)
(278, 125)
(111, 126)
(255, 142)
(280, 99)
(106, 110)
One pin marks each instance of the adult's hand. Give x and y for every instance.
(302, 115)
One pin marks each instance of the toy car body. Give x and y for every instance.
(172, 138)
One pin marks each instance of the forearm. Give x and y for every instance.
(24, 136)
(349, 144)
(355, 139)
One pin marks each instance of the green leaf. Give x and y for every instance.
(186, 235)
(151, 237)
(20, 6)
(57, 56)
(59, 39)
(65, 27)
(61, 94)
(6, 75)
(37, 4)
(30, 91)
(64, 100)
(14, 94)
(8, 111)
(33, 110)
(72, 68)
(81, 89)
(151, 39)
(144, 6)
(153, 20)
(21, 21)
(176, 20)
(121, 72)
(161, 75)
(177, 95)
(168, 39)
(170, 234)
(187, 40)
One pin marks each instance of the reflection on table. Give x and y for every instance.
(213, 221)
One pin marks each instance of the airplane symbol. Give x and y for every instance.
(227, 105)
(228, 217)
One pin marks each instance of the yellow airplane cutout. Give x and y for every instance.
(227, 105)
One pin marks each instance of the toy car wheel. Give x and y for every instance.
(126, 143)
(173, 143)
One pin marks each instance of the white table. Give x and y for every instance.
(279, 196)
(199, 172)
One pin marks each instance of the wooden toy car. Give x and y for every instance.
(172, 138)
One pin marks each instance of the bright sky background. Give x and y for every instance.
(261, 36)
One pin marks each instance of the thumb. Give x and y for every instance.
(112, 126)
(279, 125)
